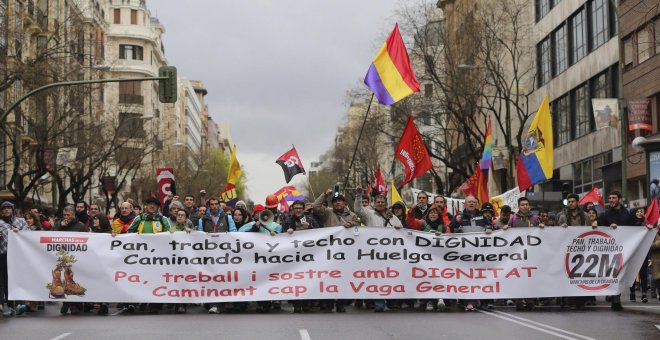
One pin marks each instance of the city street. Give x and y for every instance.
(637, 321)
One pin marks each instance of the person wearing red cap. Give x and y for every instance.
(272, 204)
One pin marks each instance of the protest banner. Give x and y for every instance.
(328, 263)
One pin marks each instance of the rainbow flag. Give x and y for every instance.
(487, 157)
(536, 160)
(391, 76)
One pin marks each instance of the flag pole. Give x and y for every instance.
(348, 172)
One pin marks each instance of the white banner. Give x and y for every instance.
(328, 263)
(509, 198)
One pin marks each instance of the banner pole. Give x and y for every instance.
(348, 172)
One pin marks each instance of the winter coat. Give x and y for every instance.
(75, 225)
(566, 216)
(419, 214)
(5, 227)
(149, 224)
(293, 222)
(218, 224)
(426, 225)
(520, 220)
(331, 218)
(372, 218)
(273, 227)
(466, 217)
(611, 216)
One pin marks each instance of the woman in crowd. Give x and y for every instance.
(241, 217)
(33, 221)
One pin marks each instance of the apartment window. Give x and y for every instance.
(589, 173)
(42, 44)
(130, 93)
(428, 90)
(562, 112)
(599, 88)
(581, 114)
(18, 24)
(643, 45)
(542, 8)
(133, 17)
(3, 33)
(627, 52)
(657, 35)
(130, 52)
(131, 125)
(579, 36)
(561, 53)
(544, 61)
(117, 14)
(599, 23)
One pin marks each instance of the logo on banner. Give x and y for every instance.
(594, 261)
(62, 283)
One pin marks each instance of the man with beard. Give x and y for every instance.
(126, 216)
(338, 215)
(81, 213)
(8, 222)
(615, 215)
(380, 216)
(441, 204)
(189, 205)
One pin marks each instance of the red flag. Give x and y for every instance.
(291, 164)
(165, 180)
(378, 185)
(592, 196)
(477, 185)
(284, 205)
(469, 188)
(412, 152)
(652, 212)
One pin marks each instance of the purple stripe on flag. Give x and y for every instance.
(375, 84)
(295, 198)
(534, 169)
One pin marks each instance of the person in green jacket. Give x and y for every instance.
(151, 221)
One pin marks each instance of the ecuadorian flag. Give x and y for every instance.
(536, 160)
(390, 76)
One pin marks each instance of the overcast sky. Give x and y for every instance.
(276, 71)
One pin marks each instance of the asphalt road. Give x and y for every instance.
(636, 321)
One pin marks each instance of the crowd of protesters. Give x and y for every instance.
(212, 215)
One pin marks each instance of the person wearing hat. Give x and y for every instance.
(151, 221)
(338, 215)
(8, 221)
(480, 224)
(272, 204)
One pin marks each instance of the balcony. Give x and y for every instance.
(131, 99)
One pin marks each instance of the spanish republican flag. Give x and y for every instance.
(536, 160)
(391, 76)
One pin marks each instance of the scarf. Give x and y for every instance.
(444, 216)
(82, 217)
(435, 224)
(7, 219)
(127, 218)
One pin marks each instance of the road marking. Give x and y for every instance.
(304, 335)
(544, 325)
(61, 336)
(658, 327)
(117, 312)
(547, 331)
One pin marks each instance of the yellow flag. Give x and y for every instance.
(397, 198)
(234, 172)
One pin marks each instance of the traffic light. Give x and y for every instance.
(167, 88)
